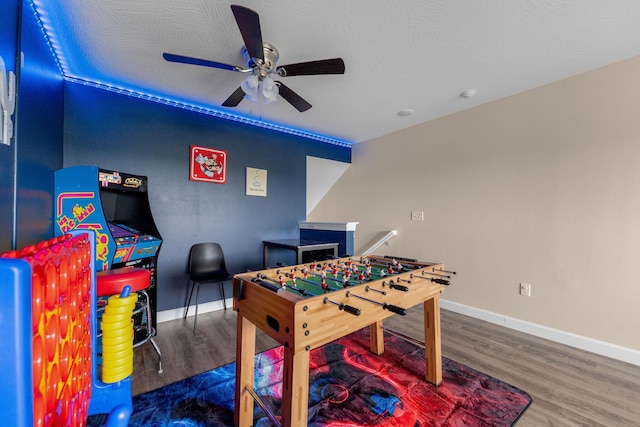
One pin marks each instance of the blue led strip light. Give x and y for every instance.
(42, 17)
(52, 41)
(212, 112)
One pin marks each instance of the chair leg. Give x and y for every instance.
(186, 311)
(195, 320)
(224, 300)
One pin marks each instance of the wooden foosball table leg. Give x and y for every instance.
(432, 340)
(295, 388)
(377, 337)
(245, 362)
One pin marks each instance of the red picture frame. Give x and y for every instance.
(207, 164)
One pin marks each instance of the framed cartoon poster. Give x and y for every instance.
(208, 164)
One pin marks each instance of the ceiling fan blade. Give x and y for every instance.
(293, 98)
(188, 60)
(234, 99)
(249, 24)
(323, 66)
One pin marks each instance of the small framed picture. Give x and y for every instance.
(256, 182)
(208, 164)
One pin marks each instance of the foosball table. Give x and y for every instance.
(309, 305)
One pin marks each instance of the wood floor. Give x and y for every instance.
(569, 387)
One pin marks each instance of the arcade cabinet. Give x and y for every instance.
(115, 205)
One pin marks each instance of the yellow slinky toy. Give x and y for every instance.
(117, 336)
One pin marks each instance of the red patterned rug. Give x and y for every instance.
(348, 386)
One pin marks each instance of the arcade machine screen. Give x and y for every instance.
(120, 231)
(130, 209)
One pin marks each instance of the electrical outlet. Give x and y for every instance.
(525, 289)
(417, 216)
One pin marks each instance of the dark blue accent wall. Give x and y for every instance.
(36, 151)
(132, 135)
(8, 48)
(39, 135)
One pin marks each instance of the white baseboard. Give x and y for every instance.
(206, 307)
(594, 346)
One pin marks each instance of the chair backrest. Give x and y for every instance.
(206, 262)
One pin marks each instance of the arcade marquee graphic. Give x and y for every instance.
(207, 164)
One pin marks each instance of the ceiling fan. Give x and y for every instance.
(262, 58)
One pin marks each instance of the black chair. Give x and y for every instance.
(206, 265)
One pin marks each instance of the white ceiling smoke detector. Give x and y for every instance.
(468, 94)
(405, 112)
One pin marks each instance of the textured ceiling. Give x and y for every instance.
(402, 54)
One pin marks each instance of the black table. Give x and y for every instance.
(300, 246)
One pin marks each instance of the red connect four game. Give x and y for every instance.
(47, 333)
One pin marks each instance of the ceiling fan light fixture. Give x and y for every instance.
(250, 87)
(269, 90)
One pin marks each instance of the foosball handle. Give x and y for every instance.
(399, 287)
(350, 309)
(270, 286)
(395, 309)
(441, 281)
